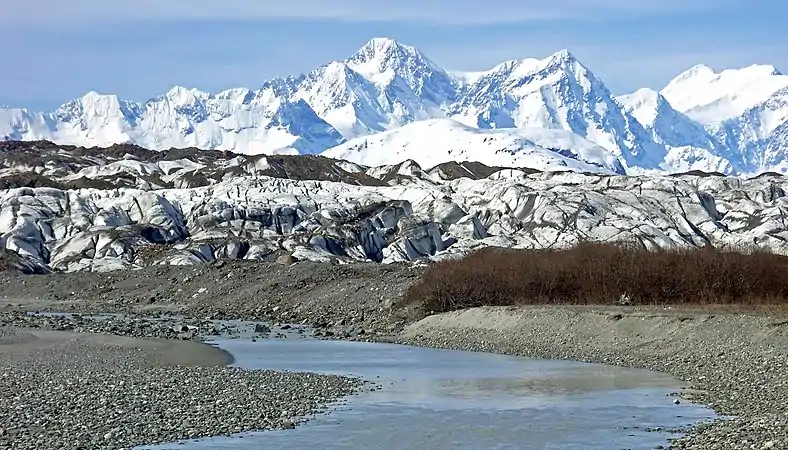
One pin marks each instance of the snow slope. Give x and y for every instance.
(431, 142)
(709, 96)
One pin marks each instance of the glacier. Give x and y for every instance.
(68, 208)
(731, 121)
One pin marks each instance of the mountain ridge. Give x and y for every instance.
(387, 85)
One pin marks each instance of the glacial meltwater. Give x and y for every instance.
(442, 399)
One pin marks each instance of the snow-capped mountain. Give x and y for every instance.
(434, 141)
(689, 146)
(760, 134)
(709, 96)
(382, 86)
(256, 122)
(559, 93)
(743, 110)
(731, 121)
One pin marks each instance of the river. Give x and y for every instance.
(444, 399)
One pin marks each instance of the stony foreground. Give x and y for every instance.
(734, 363)
(737, 362)
(88, 391)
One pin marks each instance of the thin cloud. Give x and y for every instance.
(460, 12)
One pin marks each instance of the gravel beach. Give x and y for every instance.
(90, 391)
(735, 363)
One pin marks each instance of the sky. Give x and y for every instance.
(56, 50)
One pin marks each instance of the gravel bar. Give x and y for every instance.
(737, 364)
(130, 325)
(62, 390)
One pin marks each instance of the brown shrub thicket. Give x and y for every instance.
(603, 273)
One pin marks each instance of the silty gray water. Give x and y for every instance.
(442, 399)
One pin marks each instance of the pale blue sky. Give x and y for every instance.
(55, 50)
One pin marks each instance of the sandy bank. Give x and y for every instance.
(735, 363)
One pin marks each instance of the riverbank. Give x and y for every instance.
(734, 363)
(95, 391)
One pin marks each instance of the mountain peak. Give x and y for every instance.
(184, 96)
(93, 96)
(92, 100)
(644, 104)
(387, 63)
(696, 70)
(645, 95)
(563, 59)
(563, 55)
(386, 53)
(382, 46)
(382, 43)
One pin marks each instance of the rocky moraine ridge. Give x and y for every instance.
(77, 209)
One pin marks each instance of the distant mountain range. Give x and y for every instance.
(389, 102)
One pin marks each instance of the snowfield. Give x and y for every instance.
(432, 142)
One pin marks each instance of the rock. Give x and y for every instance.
(286, 260)
(261, 329)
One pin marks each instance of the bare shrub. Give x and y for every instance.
(604, 273)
